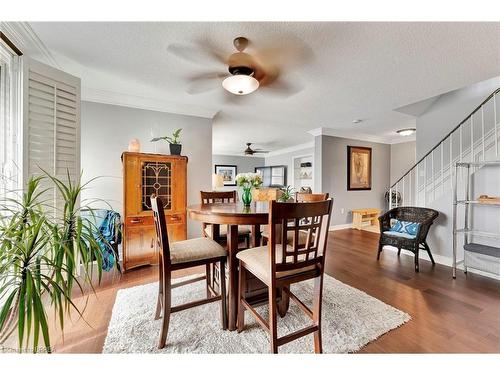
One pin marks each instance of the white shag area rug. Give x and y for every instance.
(351, 319)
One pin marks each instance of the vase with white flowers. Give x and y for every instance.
(247, 181)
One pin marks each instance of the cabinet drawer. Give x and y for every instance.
(149, 220)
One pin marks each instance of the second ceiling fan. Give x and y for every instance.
(250, 151)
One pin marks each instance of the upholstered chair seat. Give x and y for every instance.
(195, 249)
(257, 261)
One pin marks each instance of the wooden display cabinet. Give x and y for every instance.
(144, 174)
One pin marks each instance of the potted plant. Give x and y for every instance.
(43, 259)
(286, 194)
(247, 181)
(174, 142)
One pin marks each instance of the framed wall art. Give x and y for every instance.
(359, 168)
(228, 173)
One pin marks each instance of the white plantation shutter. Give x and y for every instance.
(51, 124)
(10, 128)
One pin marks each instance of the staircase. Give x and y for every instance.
(476, 138)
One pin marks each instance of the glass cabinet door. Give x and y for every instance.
(156, 179)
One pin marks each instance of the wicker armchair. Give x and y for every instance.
(424, 216)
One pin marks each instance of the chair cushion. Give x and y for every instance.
(407, 227)
(243, 230)
(399, 234)
(195, 249)
(257, 261)
(289, 241)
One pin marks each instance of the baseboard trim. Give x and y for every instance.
(443, 260)
(340, 227)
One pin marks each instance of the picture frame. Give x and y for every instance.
(359, 168)
(228, 173)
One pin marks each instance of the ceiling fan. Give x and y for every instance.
(250, 151)
(245, 72)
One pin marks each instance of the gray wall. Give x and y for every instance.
(287, 159)
(432, 126)
(106, 131)
(334, 177)
(243, 163)
(403, 157)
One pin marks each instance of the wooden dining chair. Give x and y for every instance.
(299, 197)
(280, 266)
(181, 255)
(211, 197)
(309, 197)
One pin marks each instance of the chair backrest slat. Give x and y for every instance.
(211, 197)
(161, 229)
(311, 218)
(283, 235)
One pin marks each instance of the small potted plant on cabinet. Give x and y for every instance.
(174, 142)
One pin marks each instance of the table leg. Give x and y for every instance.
(255, 236)
(232, 247)
(216, 232)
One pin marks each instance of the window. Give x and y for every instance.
(10, 124)
(273, 176)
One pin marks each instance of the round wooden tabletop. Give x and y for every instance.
(230, 213)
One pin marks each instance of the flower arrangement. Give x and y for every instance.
(248, 181)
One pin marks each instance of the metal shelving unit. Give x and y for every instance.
(478, 256)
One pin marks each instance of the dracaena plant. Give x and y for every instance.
(46, 253)
(286, 194)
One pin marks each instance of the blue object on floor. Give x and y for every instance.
(107, 234)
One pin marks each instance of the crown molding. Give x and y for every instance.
(359, 136)
(259, 156)
(287, 150)
(25, 38)
(142, 102)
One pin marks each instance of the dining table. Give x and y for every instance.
(232, 215)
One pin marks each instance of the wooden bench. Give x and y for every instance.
(365, 215)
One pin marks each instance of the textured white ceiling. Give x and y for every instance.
(352, 71)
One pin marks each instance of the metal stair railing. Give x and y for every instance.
(473, 139)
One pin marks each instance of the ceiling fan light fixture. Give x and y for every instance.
(240, 84)
(406, 132)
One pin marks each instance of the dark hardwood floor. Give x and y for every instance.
(452, 316)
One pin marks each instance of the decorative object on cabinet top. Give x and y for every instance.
(174, 142)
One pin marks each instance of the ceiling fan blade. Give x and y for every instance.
(213, 51)
(292, 52)
(260, 152)
(283, 88)
(193, 54)
(204, 82)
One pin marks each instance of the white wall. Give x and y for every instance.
(403, 157)
(447, 112)
(106, 131)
